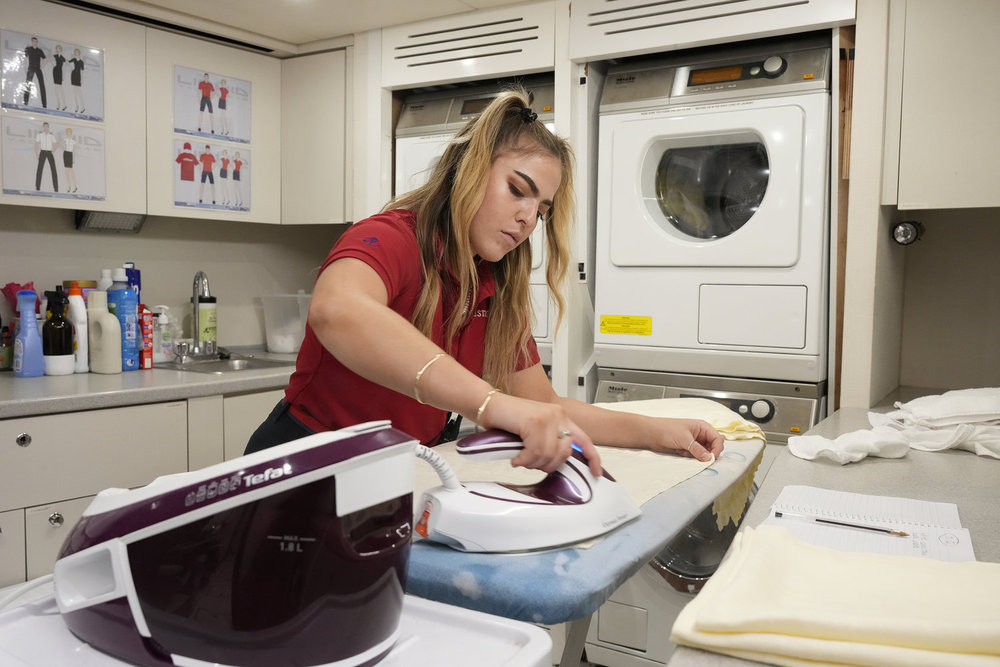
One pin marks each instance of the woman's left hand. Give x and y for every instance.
(687, 437)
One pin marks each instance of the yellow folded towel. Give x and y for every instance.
(779, 600)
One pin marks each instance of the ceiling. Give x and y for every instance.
(289, 27)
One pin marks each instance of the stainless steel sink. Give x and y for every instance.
(219, 366)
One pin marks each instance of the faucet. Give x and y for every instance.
(199, 289)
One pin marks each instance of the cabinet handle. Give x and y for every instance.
(56, 519)
(23, 440)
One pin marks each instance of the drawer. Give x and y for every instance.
(11, 547)
(45, 530)
(75, 454)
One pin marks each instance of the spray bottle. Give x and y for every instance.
(29, 360)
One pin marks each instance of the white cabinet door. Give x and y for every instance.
(242, 414)
(11, 547)
(45, 530)
(949, 133)
(75, 454)
(313, 139)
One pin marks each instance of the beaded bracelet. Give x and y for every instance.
(482, 407)
(420, 374)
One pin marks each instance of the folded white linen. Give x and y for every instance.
(779, 600)
(850, 447)
(959, 406)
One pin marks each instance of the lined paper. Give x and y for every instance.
(935, 530)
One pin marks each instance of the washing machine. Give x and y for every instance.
(428, 121)
(713, 212)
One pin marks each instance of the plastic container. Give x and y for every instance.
(57, 336)
(104, 335)
(104, 282)
(208, 320)
(123, 303)
(29, 362)
(285, 321)
(77, 315)
(163, 335)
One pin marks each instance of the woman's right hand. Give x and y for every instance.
(545, 429)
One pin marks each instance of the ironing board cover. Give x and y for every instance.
(553, 587)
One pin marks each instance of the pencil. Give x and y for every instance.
(876, 529)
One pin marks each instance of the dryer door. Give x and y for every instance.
(713, 186)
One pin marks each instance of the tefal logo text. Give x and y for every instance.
(267, 475)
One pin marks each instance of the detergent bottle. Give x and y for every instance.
(104, 334)
(123, 303)
(77, 315)
(29, 361)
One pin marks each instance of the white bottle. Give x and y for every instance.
(163, 339)
(104, 282)
(76, 313)
(105, 334)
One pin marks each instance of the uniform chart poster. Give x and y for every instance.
(50, 157)
(212, 176)
(212, 106)
(45, 75)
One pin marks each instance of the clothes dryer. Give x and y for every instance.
(428, 122)
(712, 213)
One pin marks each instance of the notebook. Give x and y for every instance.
(814, 515)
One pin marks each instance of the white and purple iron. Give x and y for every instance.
(566, 507)
(294, 555)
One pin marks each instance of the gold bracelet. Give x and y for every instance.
(420, 373)
(482, 407)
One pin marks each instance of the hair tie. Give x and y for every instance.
(527, 114)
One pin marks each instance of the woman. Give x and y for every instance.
(424, 309)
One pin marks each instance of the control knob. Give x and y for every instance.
(761, 410)
(774, 66)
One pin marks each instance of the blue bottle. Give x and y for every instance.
(123, 302)
(29, 361)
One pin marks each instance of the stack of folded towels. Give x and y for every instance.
(967, 419)
(782, 601)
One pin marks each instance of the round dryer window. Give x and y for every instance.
(711, 191)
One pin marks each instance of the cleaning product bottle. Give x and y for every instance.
(208, 318)
(105, 281)
(163, 339)
(124, 304)
(77, 315)
(6, 349)
(29, 361)
(57, 336)
(104, 333)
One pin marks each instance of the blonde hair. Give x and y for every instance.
(445, 207)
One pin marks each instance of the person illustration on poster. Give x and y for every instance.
(45, 145)
(207, 160)
(58, 60)
(206, 88)
(237, 184)
(76, 81)
(223, 108)
(36, 59)
(68, 144)
(224, 176)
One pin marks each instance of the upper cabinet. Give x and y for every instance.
(519, 39)
(314, 178)
(942, 106)
(213, 133)
(85, 78)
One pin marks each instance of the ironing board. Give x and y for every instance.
(569, 585)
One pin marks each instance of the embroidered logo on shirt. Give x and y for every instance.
(372, 241)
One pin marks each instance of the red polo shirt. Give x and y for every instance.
(325, 395)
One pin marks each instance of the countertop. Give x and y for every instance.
(971, 482)
(24, 397)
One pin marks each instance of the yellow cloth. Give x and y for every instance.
(729, 424)
(781, 601)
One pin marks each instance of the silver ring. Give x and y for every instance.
(693, 442)
(565, 433)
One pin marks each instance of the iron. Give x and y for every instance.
(568, 506)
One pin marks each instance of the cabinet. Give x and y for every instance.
(114, 147)
(52, 464)
(242, 414)
(314, 177)
(171, 57)
(947, 129)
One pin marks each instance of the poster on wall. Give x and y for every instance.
(210, 105)
(49, 76)
(49, 157)
(212, 176)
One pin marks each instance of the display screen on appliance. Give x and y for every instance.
(476, 105)
(715, 75)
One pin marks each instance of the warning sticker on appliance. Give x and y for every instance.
(627, 324)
